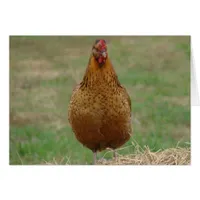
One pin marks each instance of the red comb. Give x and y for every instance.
(103, 43)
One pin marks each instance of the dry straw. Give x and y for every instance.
(144, 156)
(141, 156)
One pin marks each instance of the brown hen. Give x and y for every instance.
(100, 107)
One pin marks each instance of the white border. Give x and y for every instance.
(100, 17)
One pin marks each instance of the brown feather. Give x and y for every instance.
(100, 108)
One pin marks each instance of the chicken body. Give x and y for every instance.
(100, 109)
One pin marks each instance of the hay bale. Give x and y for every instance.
(172, 156)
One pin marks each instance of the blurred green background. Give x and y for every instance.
(44, 70)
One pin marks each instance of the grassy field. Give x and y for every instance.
(44, 70)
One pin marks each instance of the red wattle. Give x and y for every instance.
(100, 60)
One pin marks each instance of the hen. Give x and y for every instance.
(100, 107)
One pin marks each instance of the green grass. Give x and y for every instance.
(44, 70)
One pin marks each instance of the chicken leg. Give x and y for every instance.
(114, 154)
(94, 158)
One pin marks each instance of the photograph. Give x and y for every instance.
(99, 100)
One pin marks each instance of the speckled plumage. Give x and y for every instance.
(100, 108)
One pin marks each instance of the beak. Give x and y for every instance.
(103, 54)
